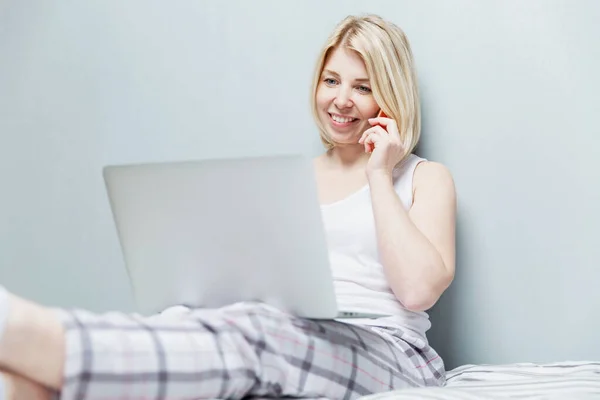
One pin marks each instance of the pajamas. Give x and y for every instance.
(243, 350)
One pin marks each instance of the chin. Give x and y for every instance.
(343, 139)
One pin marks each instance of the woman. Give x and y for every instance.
(389, 217)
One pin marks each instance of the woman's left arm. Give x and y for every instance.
(416, 247)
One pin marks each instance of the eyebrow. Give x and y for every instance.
(328, 71)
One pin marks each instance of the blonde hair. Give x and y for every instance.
(386, 52)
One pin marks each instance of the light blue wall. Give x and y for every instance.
(511, 102)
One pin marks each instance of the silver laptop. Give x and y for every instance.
(214, 232)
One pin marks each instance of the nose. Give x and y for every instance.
(343, 98)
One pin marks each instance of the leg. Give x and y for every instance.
(32, 341)
(241, 350)
(14, 387)
(244, 349)
(330, 359)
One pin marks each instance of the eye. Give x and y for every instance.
(364, 89)
(330, 81)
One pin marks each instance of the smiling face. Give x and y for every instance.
(344, 98)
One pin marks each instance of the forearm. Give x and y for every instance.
(415, 270)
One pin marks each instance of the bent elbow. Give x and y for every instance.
(423, 298)
(419, 302)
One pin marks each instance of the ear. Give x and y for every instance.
(381, 114)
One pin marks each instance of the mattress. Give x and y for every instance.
(563, 380)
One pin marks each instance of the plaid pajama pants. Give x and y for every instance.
(240, 351)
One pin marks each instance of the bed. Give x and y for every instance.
(561, 380)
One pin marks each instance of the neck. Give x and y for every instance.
(348, 155)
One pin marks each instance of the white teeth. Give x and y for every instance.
(341, 120)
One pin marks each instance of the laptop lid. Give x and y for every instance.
(209, 233)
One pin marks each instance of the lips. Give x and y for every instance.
(340, 121)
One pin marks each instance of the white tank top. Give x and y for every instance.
(358, 274)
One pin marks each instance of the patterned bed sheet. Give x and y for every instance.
(560, 380)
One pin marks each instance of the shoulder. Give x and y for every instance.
(435, 178)
(432, 170)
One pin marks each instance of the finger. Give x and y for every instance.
(374, 138)
(368, 143)
(390, 127)
(362, 141)
(388, 123)
(364, 135)
(371, 130)
(373, 133)
(384, 121)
